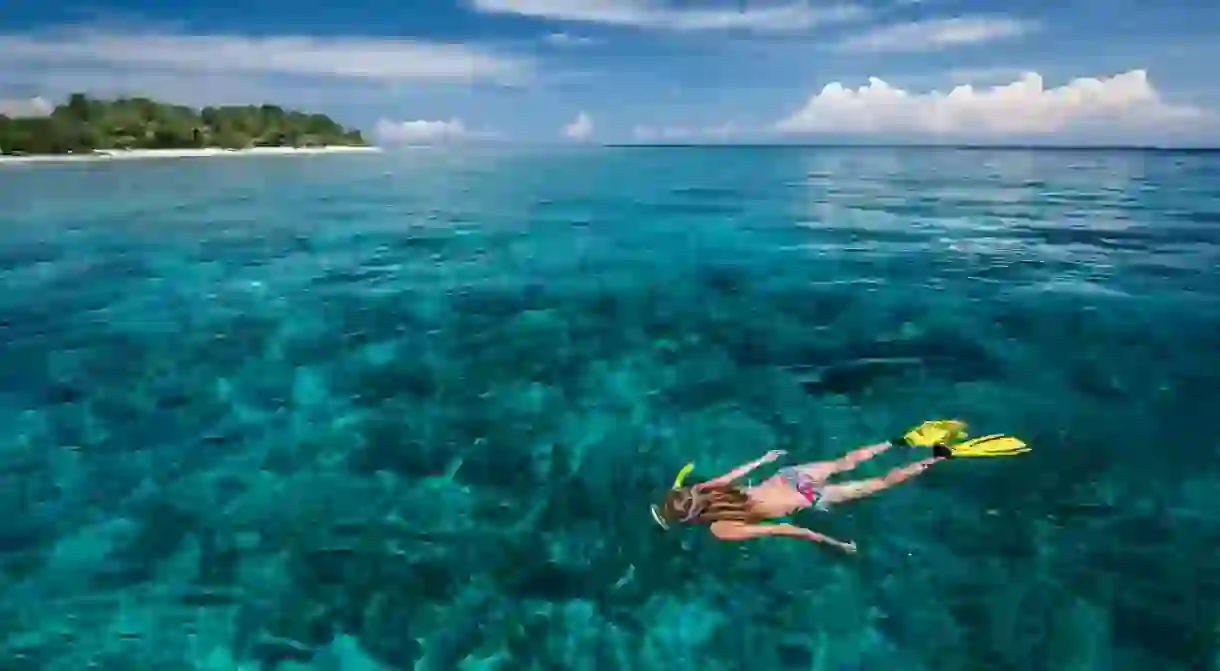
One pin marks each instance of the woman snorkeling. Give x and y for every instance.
(733, 512)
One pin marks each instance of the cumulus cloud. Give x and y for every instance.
(793, 15)
(1024, 107)
(936, 34)
(359, 58)
(580, 128)
(26, 107)
(424, 132)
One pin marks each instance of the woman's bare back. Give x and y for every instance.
(774, 497)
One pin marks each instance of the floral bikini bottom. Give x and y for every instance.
(806, 486)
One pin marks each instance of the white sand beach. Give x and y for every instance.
(137, 154)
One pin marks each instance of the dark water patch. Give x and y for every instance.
(496, 302)
(811, 307)
(64, 393)
(855, 377)
(944, 353)
(356, 277)
(725, 279)
(1165, 269)
(179, 399)
(34, 324)
(103, 273)
(377, 319)
(752, 346)
(19, 536)
(393, 444)
(236, 340)
(502, 459)
(423, 241)
(548, 581)
(218, 567)
(1204, 217)
(695, 208)
(483, 365)
(1159, 608)
(710, 192)
(1096, 379)
(385, 629)
(107, 355)
(697, 391)
(366, 591)
(17, 255)
(406, 377)
(577, 203)
(122, 422)
(855, 368)
(243, 248)
(162, 528)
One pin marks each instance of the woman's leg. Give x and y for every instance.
(821, 470)
(847, 491)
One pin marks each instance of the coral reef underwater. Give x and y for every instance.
(408, 411)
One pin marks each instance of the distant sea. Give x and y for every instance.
(408, 410)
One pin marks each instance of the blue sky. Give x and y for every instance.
(649, 70)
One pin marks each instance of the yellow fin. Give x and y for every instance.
(994, 445)
(935, 431)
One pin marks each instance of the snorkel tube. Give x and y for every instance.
(656, 514)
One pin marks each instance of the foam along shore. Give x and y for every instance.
(135, 154)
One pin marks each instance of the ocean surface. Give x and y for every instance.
(408, 410)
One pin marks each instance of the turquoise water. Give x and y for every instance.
(409, 409)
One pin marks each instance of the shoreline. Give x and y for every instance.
(141, 154)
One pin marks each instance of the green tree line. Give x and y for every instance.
(83, 124)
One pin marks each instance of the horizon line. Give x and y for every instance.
(913, 145)
(528, 144)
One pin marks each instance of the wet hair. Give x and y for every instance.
(709, 504)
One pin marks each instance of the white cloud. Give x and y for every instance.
(793, 15)
(1124, 102)
(936, 34)
(580, 128)
(685, 133)
(423, 132)
(568, 40)
(26, 107)
(358, 58)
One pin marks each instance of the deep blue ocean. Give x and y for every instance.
(407, 411)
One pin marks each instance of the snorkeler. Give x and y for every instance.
(733, 512)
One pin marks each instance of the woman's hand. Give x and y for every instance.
(848, 547)
(772, 456)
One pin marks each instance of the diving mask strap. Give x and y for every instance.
(656, 517)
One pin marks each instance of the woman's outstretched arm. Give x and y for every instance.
(740, 531)
(742, 469)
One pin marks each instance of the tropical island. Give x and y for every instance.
(84, 125)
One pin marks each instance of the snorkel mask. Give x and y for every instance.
(656, 513)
